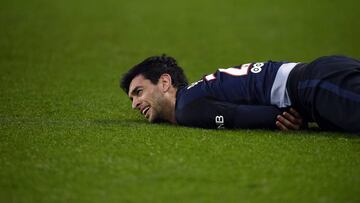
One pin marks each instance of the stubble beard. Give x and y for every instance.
(158, 110)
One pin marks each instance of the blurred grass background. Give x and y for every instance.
(68, 133)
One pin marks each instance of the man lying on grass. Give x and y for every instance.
(252, 95)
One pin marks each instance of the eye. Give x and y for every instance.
(138, 92)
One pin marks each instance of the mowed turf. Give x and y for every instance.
(68, 134)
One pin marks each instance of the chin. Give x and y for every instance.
(156, 120)
(152, 119)
(159, 120)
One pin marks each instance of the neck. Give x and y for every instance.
(170, 112)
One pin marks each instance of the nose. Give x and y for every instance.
(135, 103)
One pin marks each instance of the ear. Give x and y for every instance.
(165, 82)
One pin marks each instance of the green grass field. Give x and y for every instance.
(68, 133)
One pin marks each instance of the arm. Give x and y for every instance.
(209, 113)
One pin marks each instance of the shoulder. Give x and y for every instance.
(197, 113)
(188, 94)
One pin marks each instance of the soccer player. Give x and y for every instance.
(252, 95)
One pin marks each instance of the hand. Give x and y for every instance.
(290, 120)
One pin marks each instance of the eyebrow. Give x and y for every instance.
(133, 91)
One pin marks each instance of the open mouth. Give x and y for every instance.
(145, 110)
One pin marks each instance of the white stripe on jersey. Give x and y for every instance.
(279, 95)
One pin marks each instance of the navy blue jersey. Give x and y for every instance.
(246, 96)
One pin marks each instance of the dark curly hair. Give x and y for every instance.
(152, 68)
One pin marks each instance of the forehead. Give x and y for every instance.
(139, 81)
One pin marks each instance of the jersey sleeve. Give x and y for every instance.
(210, 113)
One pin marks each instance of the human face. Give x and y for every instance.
(147, 98)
